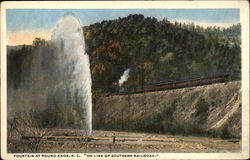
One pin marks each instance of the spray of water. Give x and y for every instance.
(69, 41)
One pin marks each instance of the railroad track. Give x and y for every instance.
(181, 84)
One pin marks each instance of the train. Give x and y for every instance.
(181, 84)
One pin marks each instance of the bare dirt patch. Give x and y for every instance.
(64, 140)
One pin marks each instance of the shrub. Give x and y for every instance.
(25, 124)
(225, 133)
(201, 112)
(201, 107)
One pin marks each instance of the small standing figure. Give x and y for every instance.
(113, 138)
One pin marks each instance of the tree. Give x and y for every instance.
(38, 42)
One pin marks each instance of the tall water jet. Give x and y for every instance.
(74, 62)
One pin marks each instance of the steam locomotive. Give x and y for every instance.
(181, 84)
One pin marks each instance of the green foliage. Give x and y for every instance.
(29, 64)
(35, 68)
(202, 110)
(19, 67)
(201, 107)
(174, 51)
(62, 116)
(225, 133)
(38, 42)
(155, 51)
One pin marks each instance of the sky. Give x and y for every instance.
(23, 25)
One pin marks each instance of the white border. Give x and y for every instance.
(244, 18)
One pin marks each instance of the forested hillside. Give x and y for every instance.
(159, 51)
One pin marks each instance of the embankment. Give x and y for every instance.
(212, 110)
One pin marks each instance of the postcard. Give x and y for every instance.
(125, 80)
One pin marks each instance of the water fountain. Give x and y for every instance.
(74, 61)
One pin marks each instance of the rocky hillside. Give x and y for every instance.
(213, 110)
